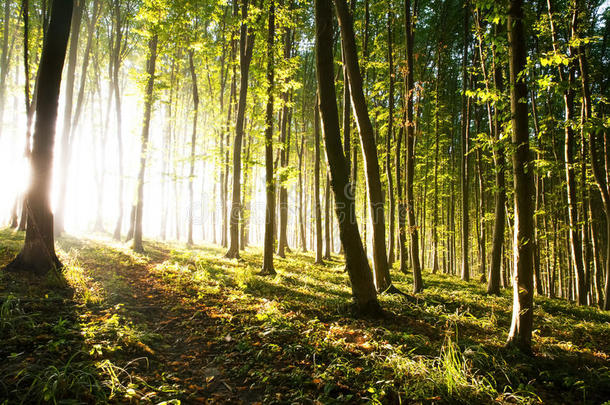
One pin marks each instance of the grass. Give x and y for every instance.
(188, 325)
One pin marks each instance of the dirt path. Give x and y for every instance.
(192, 344)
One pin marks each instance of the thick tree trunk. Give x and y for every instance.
(356, 261)
(246, 45)
(148, 103)
(38, 252)
(369, 148)
(269, 177)
(520, 334)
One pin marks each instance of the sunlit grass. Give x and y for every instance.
(291, 335)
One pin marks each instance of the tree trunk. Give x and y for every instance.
(493, 285)
(520, 334)
(464, 155)
(5, 60)
(193, 146)
(327, 220)
(356, 261)
(116, 65)
(369, 149)
(269, 179)
(389, 136)
(418, 284)
(300, 153)
(316, 185)
(38, 252)
(66, 141)
(246, 45)
(148, 103)
(284, 157)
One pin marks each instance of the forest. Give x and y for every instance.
(317, 202)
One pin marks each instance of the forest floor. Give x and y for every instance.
(188, 326)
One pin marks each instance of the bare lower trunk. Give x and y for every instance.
(246, 47)
(316, 185)
(193, 146)
(520, 334)
(369, 148)
(38, 252)
(148, 103)
(356, 261)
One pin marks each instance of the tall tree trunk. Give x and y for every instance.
(369, 149)
(300, 153)
(148, 103)
(316, 184)
(493, 285)
(284, 156)
(246, 45)
(327, 219)
(193, 146)
(38, 252)
(356, 261)
(418, 284)
(29, 104)
(389, 136)
(464, 145)
(520, 334)
(116, 67)
(66, 141)
(269, 177)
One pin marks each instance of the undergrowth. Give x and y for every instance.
(178, 324)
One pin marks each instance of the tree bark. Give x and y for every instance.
(269, 177)
(389, 136)
(38, 252)
(464, 155)
(316, 185)
(193, 73)
(66, 141)
(116, 67)
(356, 261)
(5, 60)
(246, 45)
(284, 157)
(493, 285)
(148, 103)
(520, 334)
(327, 220)
(418, 284)
(369, 149)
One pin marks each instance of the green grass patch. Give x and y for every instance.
(179, 324)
